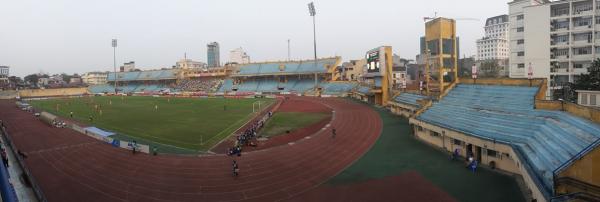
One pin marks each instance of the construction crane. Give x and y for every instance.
(457, 19)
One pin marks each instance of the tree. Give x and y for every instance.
(591, 80)
(32, 79)
(66, 78)
(588, 81)
(490, 69)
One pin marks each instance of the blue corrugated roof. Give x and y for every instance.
(505, 114)
(409, 98)
(287, 67)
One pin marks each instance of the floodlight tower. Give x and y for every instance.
(114, 45)
(313, 12)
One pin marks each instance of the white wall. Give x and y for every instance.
(537, 40)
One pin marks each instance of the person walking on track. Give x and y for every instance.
(236, 169)
(333, 133)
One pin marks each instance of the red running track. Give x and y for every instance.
(73, 167)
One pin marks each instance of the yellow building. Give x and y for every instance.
(441, 63)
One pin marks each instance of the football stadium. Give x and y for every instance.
(320, 129)
(186, 126)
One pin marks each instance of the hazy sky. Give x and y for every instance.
(73, 36)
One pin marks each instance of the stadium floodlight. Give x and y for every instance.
(311, 9)
(114, 45)
(313, 12)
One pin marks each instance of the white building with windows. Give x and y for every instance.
(190, 64)
(239, 56)
(494, 45)
(557, 39)
(94, 78)
(588, 98)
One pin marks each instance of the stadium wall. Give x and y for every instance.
(52, 92)
(501, 81)
(402, 109)
(589, 113)
(8, 94)
(582, 176)
(506, 159)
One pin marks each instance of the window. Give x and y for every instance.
(492, 153)
(521, 41)
(520, 17)
(520, 29)
(419, 128)
(521, 65)
(584, 99)
(434, 134)
(522, 53)
(593, 100)
(457, 142)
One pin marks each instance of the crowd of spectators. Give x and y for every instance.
(200, 85)
(249, 136)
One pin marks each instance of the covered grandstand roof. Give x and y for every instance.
(544, 140)
(144, 75)
(409, 98)
(288, 67)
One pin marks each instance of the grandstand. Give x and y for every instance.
(508, 132)
(266, 77)
(288, 77)
(154, 81)
(406, 104)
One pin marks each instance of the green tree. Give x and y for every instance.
(588, 81)
(32, 79)
(490, 69)
(591, 80)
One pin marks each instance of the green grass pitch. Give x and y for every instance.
(189, 123)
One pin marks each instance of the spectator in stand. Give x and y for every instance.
(4, 157)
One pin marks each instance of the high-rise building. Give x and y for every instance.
(213, 55)
(493, 49)
(494, 45)
(238, 56)
(557, 40)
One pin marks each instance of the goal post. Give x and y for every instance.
(256, 106)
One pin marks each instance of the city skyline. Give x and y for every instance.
(74, 37)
